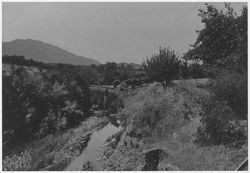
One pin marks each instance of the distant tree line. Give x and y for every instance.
(110, 73)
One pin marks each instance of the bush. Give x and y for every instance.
(231, 86)
(217, 126)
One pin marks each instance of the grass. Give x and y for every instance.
(161, 113)
(193, 157)
(52, 152)
(171, 132)
(156, 116)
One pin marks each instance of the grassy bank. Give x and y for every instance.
(169, 121)
(54, 151)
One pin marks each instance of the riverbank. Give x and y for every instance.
(53, 152)
(87, 160)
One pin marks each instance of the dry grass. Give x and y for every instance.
(175, 135)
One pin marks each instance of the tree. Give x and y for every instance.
(109, 73)
(184, 73)
(224, 33)
(162, 67)
(88, 74)
(196, 71)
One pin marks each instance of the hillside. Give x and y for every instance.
(44, 52)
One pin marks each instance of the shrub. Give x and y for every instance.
(72, 113)
(231, 86)
(217, 126)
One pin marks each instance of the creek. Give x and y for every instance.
(94, 147)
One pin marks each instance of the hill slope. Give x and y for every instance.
(44, 52)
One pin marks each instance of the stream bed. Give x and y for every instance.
(94, 147)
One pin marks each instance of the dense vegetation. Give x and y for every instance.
(223, 41)
(222, 46)
(111, 73)
(39, 102)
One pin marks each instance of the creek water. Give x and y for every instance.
(94, 147)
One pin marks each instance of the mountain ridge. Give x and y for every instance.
(44, 52)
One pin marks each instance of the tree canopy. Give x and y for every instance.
(223, 35)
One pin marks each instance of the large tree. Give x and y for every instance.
(162, 67)
(223, 35)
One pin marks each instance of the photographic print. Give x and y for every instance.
(124, 86)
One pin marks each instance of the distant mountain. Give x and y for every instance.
(44, 52)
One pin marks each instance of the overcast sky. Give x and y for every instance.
(120, 32)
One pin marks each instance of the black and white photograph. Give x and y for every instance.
(124, 86)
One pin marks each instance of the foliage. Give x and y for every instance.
(137, 81)
(231, 86)
(218, 126)
(20, 60)
(193, 70)
(104, 74)
(224, 33)
(162, 67)
(111, 72)
(196, 71)
(222, 47)
(106, 100)
(36, 104)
